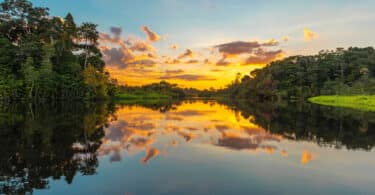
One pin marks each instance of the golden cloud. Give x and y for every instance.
(151, 36)
(174, 46)
(285, 38)
(309, 35)
(186, 54)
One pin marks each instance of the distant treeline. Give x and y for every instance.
(48, 57)
(344, 71)
(161, 90)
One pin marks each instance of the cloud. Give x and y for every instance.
(263, 57)
(120, 53)
(173, 46)
(309, 35)
(118, 57)
(186, 54)
(193, 61)
(207, 61)
(255, 50)
(151, 36)
(237, 47)
(188, 77)
(271, 42)
(143, 63)
(285, 38)
(116, 31)
(170, 61)
(179, 71)
(140, 45)
(216, 70)
(222, 62)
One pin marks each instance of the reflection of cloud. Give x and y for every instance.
(115, 157)
(140, 142)
(192, 112)
(187, 136)
(150, 154)
(140, 130)
(237, 142)
(309, 35)
(151, 36)
(222, 127)
(174, 118)
(307, 157)
(284, 153)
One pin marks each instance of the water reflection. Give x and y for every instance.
(139, 129)
(235, 126)
(64, 141)
(41, 142)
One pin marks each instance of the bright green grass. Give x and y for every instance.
(360, 102)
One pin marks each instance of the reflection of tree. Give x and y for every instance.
(40, 142)
(324, 125)
(161, 105)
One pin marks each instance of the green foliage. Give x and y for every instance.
(45, 57)
(162, 90)
(96, 83)
(350, 71)
(361, 102)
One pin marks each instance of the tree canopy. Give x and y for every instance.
(343, 71)
(48, 57)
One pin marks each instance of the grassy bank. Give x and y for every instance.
(360, 102)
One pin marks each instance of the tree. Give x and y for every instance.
(89, 35)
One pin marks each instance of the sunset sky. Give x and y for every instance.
(204, 43)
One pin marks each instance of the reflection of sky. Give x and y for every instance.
(142, 130)
(147, 152)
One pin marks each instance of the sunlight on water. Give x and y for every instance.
(152, 132)
(188, 147)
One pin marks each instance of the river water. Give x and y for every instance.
(186, 147)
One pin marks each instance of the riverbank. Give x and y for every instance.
(360, 102)
(140, 96)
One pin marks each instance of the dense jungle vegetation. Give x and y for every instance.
(343, 71)
(48, 57)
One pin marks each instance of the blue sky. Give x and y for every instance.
(199, 25)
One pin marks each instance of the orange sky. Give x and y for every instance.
(137, 61)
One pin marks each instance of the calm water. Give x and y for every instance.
(189, 147)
